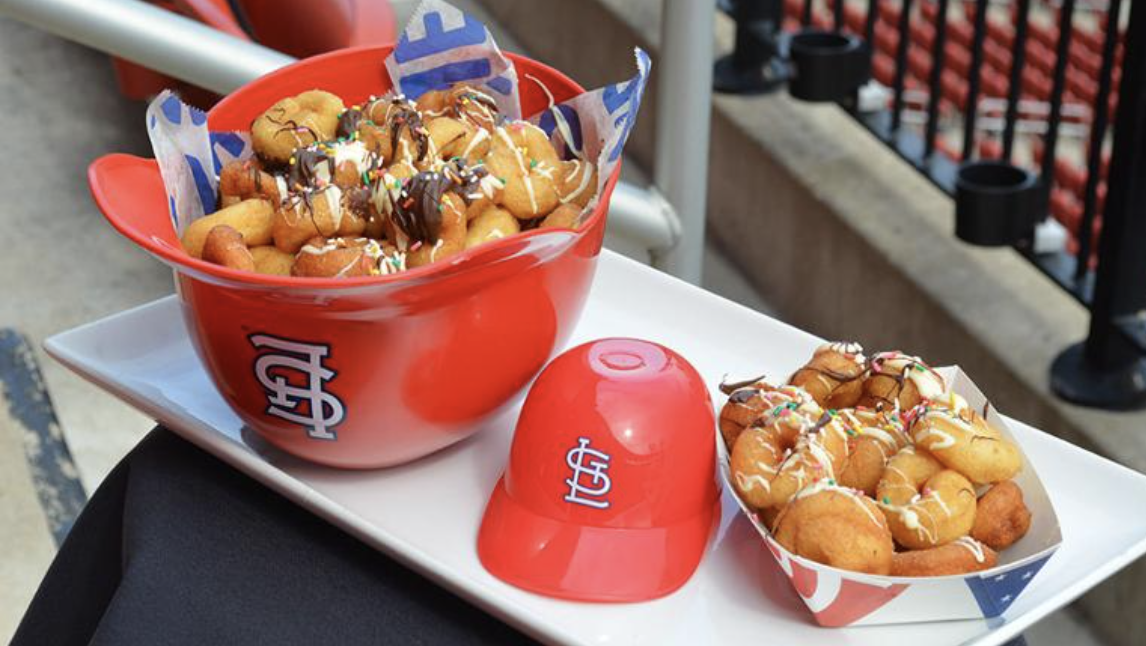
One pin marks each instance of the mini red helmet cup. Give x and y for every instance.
(611, 491)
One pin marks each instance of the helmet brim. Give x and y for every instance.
(590, 563)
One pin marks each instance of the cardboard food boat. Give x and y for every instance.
(843, 598)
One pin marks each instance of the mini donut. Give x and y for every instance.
(340, 162)
(295, 122)
(834, 375)
(566, 216)
(838, 527)
(900, 380)
(324, 212)
(390, 128)
(272, 261)
(750, 400)
(244, 180)
(960, 556)
(224, 246)
(462, 102)
(878, 435)
(962, 440)
(472, 148)
(434, 225)
(925, 504)
(783, 452)
(576, 182)
(333, 258)
(253, 218)
(493, 224)
(448, 136)
(524, 159)
(1002, 518)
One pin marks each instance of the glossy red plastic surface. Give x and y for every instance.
(417, 360)
(611, 491)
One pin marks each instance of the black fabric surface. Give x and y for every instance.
(176, 547)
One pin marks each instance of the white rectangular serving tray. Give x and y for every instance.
(426, 514)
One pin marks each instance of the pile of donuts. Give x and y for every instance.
(873, 465)
(373, 189)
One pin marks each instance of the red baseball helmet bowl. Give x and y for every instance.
(611, 491)
(374, 371)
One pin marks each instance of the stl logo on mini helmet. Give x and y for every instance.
(591, 493)
(281, 370)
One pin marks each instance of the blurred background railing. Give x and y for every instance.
(1008, 107)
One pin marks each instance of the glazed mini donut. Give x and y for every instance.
(333, 258)
(748, 401)
(343, 163)
(783, 452)
(253, 218)
(960, 556)
(576, 182)
(834, 375)
(900, 380)
(271, 260)
(462, 102)
(294, 122)
(878, 435)
(836, 526)
(493, 224)
(925, 504)
(1002, 518)
(522, 157)
(472, 148)
(429, 219)
(962, 440)
(224, 246)
(324, 212)
(448, 136)
(244, 180)
(566, 216)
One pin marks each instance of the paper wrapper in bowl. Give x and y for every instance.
(374, 371)
(843, 598)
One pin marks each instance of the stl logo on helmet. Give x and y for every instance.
(589, 483)
(294, 379)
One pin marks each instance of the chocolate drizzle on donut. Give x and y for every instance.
(304, 169)
(348, 123)
(407, 116)
(824, 420)
(742, 396)
(466, 178)
(418, 209)
(358, 201)
(731, 388)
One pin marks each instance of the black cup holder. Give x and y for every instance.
(827, 65)
(996, 203)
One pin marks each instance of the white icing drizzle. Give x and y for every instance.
(946, 440)
(748, 482)
(973, 546)
(333, 196)
(585, 177)
(558, 118)
(852, 349)
(825, 485)
(281, 186)
(482, 135)
(351, 151)
(928, 382)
